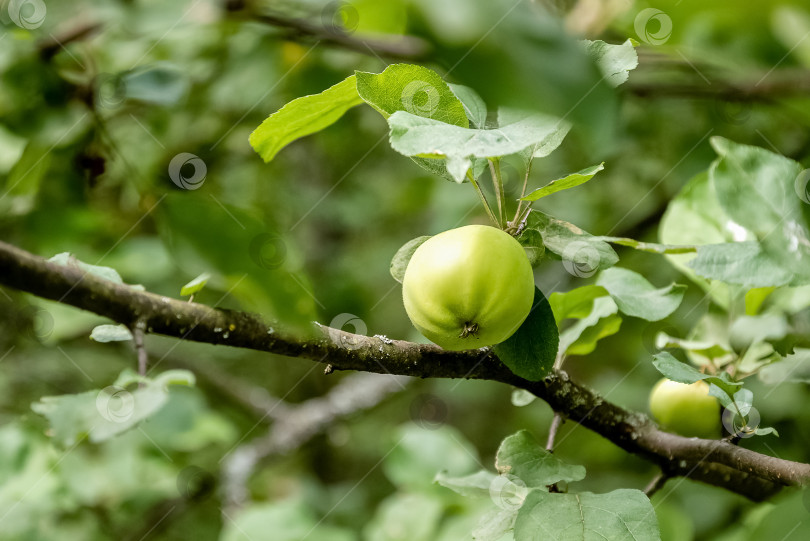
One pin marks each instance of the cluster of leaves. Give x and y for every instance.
(526, 505)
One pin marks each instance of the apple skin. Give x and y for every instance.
(468, 287)
(686, 409)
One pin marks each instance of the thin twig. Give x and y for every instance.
(138, 331)
(656, 484)
(556, 423)
(523, 192)
(401, 47)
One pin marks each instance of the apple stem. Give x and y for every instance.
(470, 329)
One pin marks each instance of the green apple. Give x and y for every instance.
(688, 410)
(468, 287)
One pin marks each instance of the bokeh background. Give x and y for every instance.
(97, 98)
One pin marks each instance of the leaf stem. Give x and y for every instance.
(523, 191)
(483, 199)
(497, 183)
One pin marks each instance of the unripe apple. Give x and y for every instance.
(686, 409)
(468, 287)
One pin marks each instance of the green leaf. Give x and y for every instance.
(650, 247)
(564, 183)
(614, 61)
(420, 453)
(195, 285)
(582, 253)
(743, 263)
(474, 106)
(675, 370)
(24, 179)
(743, 398)
(66, 259)
(111, 333)
(521, 456)
(494, 525)
(532, 242)
(507, 116)
(581, 337)
(416, 90)
(636, 297)
(160, 84)
(756, 188)
(411, 516)
(522, 397)
(748, 330)
(577, 303)
(403, 256)
(285, 520)
(590, 335)
(475, 485)
(304, 116)
(531, 351)
(413, 135)
(795, 368)
(103, 414)
(707, 351)
(621, 515)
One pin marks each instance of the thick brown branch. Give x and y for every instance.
(718, 463)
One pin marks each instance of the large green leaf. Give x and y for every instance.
(756, 188)
(621, 515)
(637, 297)
(413, 89)
(521, 455)
(413, 135)
(531, 351)
(104, 413)
(566, 182)
(304, 116)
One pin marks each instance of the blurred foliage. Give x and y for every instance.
(98, 97)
